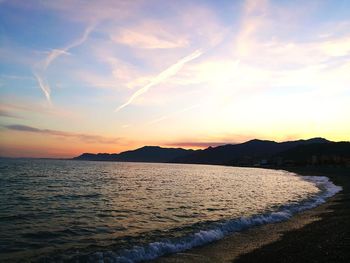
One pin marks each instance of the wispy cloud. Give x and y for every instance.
(16, 77)
(204, 142)
(165, 117)
(4, 113)
(148, 38)
(40, 68)
(88, 138)
(22, 108)
(170, 71)
(94, 10)
(189, 144)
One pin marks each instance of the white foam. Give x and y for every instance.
(157, 249)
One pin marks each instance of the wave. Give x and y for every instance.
(156, 249)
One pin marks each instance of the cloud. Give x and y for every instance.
(162, 118)
(170, 71)
(149, 35)
(336, 47)
(88, 138)
(4, 113)
(217, 72)
(22, 108)
(84, 11)
(16, 77)
(123, 74)
(195, 144)
(23, 128)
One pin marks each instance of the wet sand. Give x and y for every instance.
(318, 235)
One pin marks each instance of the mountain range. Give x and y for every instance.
(253, 152)
(144, 154)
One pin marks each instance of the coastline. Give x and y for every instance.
(320, 234)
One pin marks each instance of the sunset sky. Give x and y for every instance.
(105, 76)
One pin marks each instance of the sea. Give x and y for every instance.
(81, 211)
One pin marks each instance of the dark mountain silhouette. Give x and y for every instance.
(97, 157)
(144, 154)
(246, 153)
(153, 154)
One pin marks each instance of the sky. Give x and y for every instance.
(106, 76)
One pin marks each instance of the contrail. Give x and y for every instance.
(44, 86)
(41, 67)
(55, 53)
(170, 71)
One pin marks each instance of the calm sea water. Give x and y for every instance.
(76, 211)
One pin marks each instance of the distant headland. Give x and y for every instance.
(315, 151)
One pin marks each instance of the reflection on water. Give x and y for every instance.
(62, 209)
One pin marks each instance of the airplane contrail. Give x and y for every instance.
(55, 53)
(41, 67)
(44, 86)
(170, 71)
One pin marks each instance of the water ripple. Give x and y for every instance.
(54, 211)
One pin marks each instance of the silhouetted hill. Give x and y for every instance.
(246, 153)
(97, 157)
(254, 152)
(144, 154)
(153, 154)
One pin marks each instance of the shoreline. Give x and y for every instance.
(316, 235)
